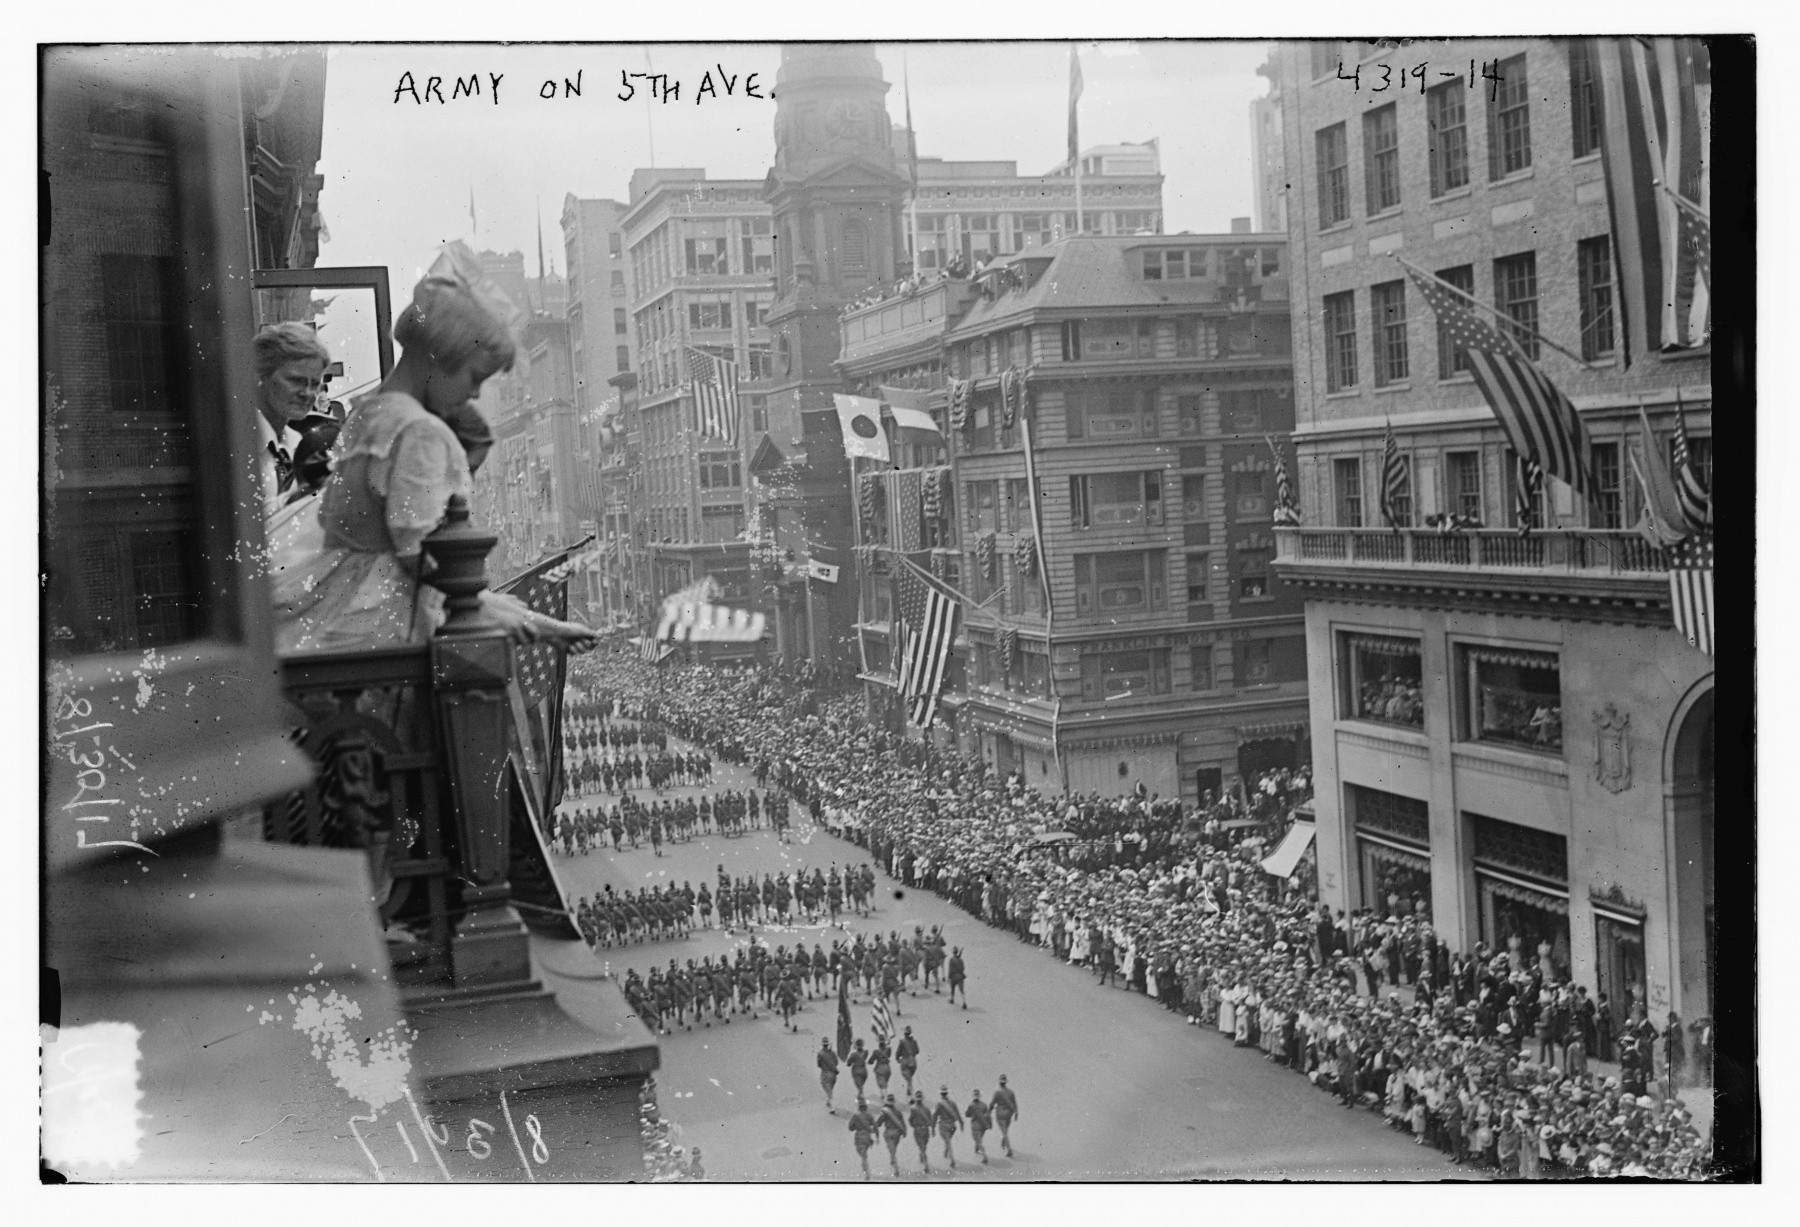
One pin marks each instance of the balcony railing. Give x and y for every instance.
(1582, 552)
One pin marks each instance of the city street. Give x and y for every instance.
(1110, 1085)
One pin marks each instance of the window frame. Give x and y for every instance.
(1447, 143)
(1599, 319)
(1331, 157)
(1339, 314)
(1509, 152)
(1381, 158)
(1513, 276)
(1387, 316)
(1585, 115)
(1347, 500)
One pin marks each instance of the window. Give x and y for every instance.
(753, 312)
(980, 237)
(1453, 360)
(1700, 454)
(934, 241)
(1447, 128)
(1253, 662)
(1030, 230)
(719, 524)
(1387, 303)
(714, 314)
(620, 324)
(1513, 698)
(1381, 678)
(720, 471)
(1105, 413)
(614, 243)
(1193, 498)
(983, 502)
(1325, 57)
(1584, 98)
(1333, 155)
(1253, 573)
(705, 257)
(1118, 338)
(1340, 341)
(1250, 495)
(759, 408)
(1609, 504)
(1124, 675)
(1199, 567)
(1071, 341)
(1381, 158)
(1515, 297)
(855, 245)
(1099, 500)
(759, 246)
(1018, 505)
(1143, 222)
(622, 357)
(1346, 478)
(1188, 413)
(1271, 261)
(1509, 120)
(618, 281)
(143, 339)
(166, 587)
(1200, 667)
(1120, 583)
(1593, 264)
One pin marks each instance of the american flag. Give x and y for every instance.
(1538, 419)
(1528, 482)
(715, 394)
(1691, 590)
(907, 488)
(541, 670)
(1287, 512)
(1696, 230)
(927, 654)
(1395, 483)
(883, 1020)
(1690, 491)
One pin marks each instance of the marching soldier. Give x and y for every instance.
(1006, 1111)
(958, 977)
(893, 1129)
(948, 1120)
(828, 1072)
(919, 1117)
(980, 1118)
(858, 1061)
(907, 1052)
(882, 1061)
(862, 1128)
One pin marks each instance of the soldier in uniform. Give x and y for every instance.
(958, 977)
(907, 1053)
(862, 1129)
(858, 1061)
(788, 994)
(821, 968)
(882, 1062)
(828, 1071)
(948, 1120)
(1006, 1111)
(893, 1129)
(704, 899)
(980, 1118)
(919, 1117)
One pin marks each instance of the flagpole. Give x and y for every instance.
(1512, 325)
(912, 160)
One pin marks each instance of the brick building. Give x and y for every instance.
(1507, 728)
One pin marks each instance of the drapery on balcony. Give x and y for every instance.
(1596, 553)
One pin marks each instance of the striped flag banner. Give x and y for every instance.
(1656, 108)
(1538, 419)
(883, 1021)
(928, 654)
(715, 394)
(1691, 590)
(1696, 231)
(1395, 479)
(1690, 491)
(1287, 511)
(701, 622)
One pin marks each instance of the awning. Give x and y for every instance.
(1281, 862)
(1267, 732)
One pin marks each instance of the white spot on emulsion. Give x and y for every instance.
(374, 1070)
(91, 1093)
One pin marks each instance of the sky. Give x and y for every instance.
(399, 175)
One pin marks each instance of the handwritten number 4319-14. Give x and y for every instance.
(1390, 77)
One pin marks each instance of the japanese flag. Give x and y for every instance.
(860, 416)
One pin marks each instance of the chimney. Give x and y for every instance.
(1240, 225)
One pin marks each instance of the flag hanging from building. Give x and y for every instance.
(1690, 491)
(1395, 483)
(715, 394)
(1287, 511)
(1662, 499)
(1074, 98)
(1538, 419)
(912, 414)
(1528, 484)
(928, 652)
(860, 419)
(912, 141)
(1691, 590)
(1696, 231)
(539, 674)
(1651, 526)
(907, 489)
(1656, 109)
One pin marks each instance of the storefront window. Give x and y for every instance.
(1514, 698)
(1381, 679)
(1393, 844)
(1522, 884)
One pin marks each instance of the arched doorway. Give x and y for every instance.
(1690, 785)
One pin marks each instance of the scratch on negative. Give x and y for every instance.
(254, 1136)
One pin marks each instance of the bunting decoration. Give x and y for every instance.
(961, 392)
(1011, 396)
(1691, 590)
(1009, 647)
(934, 493)
(867, 499)
(1025, 555)
(988, 551)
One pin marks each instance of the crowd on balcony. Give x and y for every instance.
(1396, 700)
(954, 270)
(1194, 921)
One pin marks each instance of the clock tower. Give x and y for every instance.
(837, 202)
